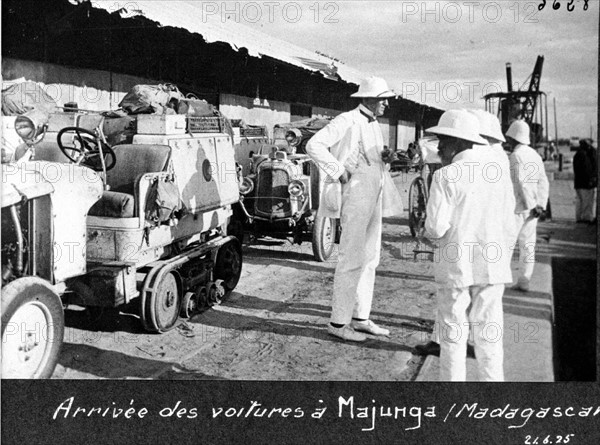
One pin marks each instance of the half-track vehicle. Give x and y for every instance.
(146, 224)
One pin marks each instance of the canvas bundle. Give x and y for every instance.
(163, 202)
(148, 99)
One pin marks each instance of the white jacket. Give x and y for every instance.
(472, 215)
(337, 147)
(529, 179)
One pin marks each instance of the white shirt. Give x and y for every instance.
(336, 148)
(501, 155)
(471, 214)
(351, 138)
(529, 179)
(497, 166)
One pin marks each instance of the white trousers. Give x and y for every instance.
(485, 322)
(360, 245)
(526, 242)
(584, 206)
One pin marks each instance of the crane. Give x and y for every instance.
(529, 105)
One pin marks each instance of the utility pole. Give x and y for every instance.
(555, 125)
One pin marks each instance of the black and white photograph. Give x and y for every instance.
(299, 222)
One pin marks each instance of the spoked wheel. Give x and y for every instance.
(228, 266)
(160, 302)
(32, 329)
(323, 238)
(417, 203)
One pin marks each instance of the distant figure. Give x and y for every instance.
(412, 150)
(586, 181)
(552, 151)
(531, 194)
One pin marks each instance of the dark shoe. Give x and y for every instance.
(521, 287)
(431, 348)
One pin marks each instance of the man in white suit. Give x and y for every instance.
(466, 213)
(531, 194)
(496, 169)
(357, 188)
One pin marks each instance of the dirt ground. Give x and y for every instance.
(273, 326)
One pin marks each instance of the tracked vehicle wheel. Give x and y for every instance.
(160, 304)
(228, 266)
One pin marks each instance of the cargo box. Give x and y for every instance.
(163, 124)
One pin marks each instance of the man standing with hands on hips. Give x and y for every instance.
(357, 188)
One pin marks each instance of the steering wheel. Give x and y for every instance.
(82, 146)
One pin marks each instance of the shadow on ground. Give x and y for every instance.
(257, 326)
(88, 359)
(575, 299)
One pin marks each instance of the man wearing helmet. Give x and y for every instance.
(531, 194)
(357, 188)
(466, 213)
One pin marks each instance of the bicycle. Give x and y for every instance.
(418, 192)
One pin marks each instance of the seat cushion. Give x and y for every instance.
(135, 160)
(114, 205)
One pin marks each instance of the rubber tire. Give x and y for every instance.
(417, 187)
(24, 290)
(229, 282)
(320, 252)
(236, 228)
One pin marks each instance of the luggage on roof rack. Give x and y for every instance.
(206, 124)
(253, 131)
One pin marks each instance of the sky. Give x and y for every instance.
(450, 53)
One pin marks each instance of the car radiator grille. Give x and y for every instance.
(273, 198)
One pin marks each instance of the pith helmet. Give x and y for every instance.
(489, 125)
(519, 131)
(374, 87)
(459, 124)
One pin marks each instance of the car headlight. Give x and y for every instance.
(31, 125)
(296, 188)
(293, 137)
(246, 186)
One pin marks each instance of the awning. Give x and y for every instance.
(213, 28)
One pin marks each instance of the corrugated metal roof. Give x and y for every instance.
(213, 29)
